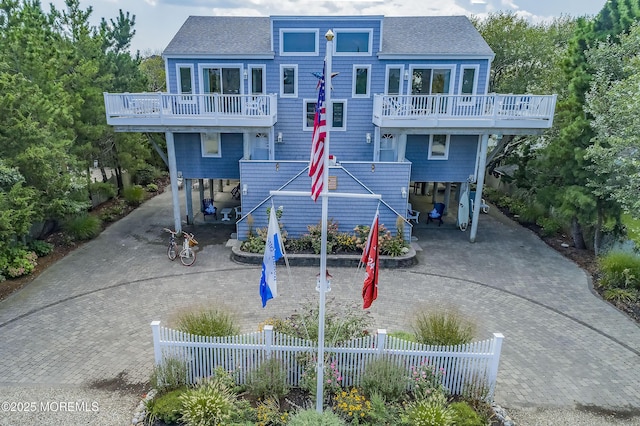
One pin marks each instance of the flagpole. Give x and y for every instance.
(325, 212)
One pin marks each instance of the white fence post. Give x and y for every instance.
(268, 339)
(382, 340)
(496, 348)
(155, 329)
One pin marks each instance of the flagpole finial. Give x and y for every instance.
(329, 35)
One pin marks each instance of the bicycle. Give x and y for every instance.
(187, 254)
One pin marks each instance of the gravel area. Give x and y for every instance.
(58, 406)
(573, 417)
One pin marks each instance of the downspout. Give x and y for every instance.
(482, 164)
(173, 175)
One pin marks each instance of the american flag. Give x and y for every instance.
(316, 165)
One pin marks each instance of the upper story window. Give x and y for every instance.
(353, 42)
(185, 78)
(361, 81)
(257, 79)
(289, 81)
(299, 42)
(222, 80)
(339, 121)
(469, 80)
(210, 144)
(438, 147)
(393, 82)
(429, 81)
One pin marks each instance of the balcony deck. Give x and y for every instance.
(148, 111)
(511, 114)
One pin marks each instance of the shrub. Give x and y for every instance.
(210, 403)
(382, 413)
(214, 322)
(425, 380)
(17, 261)
(113, 212)
(464, 415)
(332, 378)
(443, 327)
(550, 226)
(269, 413)
(352, 406)
(269, 379)
(133, 195)
(40, 248)
(620, 270)
(311, 417)
(152, 187)
(171, 374)
(385, 377)
(144, 175)
(166, 407)
(83, 227)
(432, 411)
(104, 189)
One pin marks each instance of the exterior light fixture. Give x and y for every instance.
(244, 189)
(280, 137)
(368, 137)
(403, 192)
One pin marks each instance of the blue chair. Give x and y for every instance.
(436, 213)
(209, 209)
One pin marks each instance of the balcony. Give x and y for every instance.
(161, 111)
(509, 114)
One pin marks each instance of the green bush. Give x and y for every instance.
(550, 226)
(145, 175)
(171, 374)
(133, 195)
(311, 417)
(210, 403)
(166, 407)
(83, 227)
(151, 187)
(386, 378)
(620, 270)
(40, 248)
(465, 415)
(214, 322)
(432, 411)
(445, 327)
(382, 413)
(17, 261)
(105, 189)
(269, 379)
(113, 212)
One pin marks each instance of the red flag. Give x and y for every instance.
(316, 165)
(370, 259)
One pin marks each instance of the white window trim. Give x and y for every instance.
(298, 30)
(386, 78)
(353, 83)
(207, 155)
(306, 128)
(179, 83)
(353, 30)
(432, 67)
(295, 81)
(475, 83)
(251, 67)
(446, 148)
(201, 68)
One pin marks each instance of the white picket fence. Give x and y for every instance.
(472, 365)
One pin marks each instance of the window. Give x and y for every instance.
(353, 42)
(260, 147)
(393, 82)
(468, 83)
(185, 79)
(221, 80)
(388, 148)
(298, 42)
(428, 81)
(257, 82)
(361, 81)
(210, 144)
(438, 147)
(288, 80)
(339, 121)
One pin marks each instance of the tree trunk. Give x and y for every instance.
(104, 174)
(576, 234)
(597, 235)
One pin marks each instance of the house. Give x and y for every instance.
(409, 99)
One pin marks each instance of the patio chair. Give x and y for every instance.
(436, 213)
(412, 214)
(209, 209)
(484, 207)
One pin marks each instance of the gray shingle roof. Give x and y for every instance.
(432, 35)
(222, 35)
(420, 36)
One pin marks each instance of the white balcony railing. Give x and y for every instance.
(494, 110)
(173, 109)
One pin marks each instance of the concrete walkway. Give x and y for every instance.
(86, 319)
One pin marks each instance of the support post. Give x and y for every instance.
(496, 349)
(173, 175)
(155, 331)
(188, 194)
(482, 164)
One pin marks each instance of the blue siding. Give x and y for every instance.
(461, 162)
(387, 179)
(193, 165)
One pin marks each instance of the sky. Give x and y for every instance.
(157, 21)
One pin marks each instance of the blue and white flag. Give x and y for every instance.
(272, 253)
